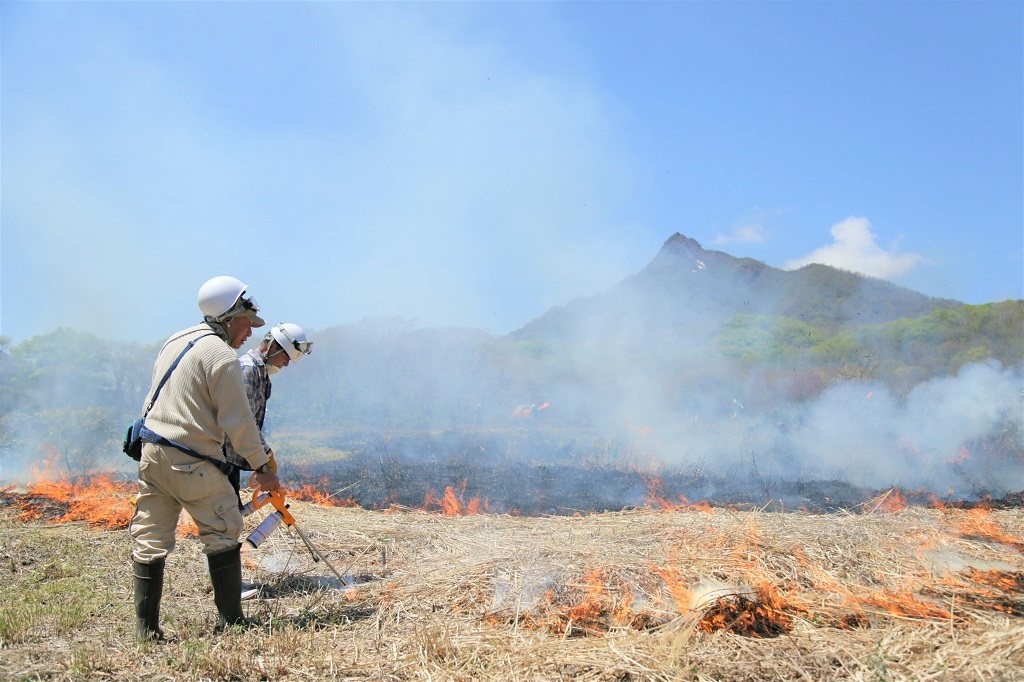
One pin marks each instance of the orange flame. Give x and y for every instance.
(979, 523)
(452, 504)
(187, 528)
(588, 613)
(654, 498)
(961, 457)
(761, 616)
(320, 494)
(904, 605)
(890, 501)
(99, 500)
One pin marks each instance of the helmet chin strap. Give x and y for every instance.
(268, 343)
(227, 324)
(279, 350)
(271, 367)
(223, 327)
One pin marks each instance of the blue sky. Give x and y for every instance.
(474, 164)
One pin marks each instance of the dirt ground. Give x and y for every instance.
(700, 594)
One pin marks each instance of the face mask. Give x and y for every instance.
(272, 369)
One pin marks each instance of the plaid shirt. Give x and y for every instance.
(257, 388)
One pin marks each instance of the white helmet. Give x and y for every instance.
(224, 297)
(292, 340)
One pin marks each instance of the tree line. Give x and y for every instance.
(69, 394)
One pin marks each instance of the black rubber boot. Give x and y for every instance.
(226, 576)
(149, 588)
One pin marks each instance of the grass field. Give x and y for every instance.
(909, 593)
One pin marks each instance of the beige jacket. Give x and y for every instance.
(204, 399)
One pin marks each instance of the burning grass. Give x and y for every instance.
(677, 593)
(102, 501)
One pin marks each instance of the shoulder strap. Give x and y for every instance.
(153, 437)
(170, 369)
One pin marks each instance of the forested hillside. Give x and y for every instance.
(900, 353)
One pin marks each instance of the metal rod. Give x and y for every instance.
(317, 553)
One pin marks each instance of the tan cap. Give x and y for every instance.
(257, 321)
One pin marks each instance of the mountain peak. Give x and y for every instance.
(680, 242)
(688, 287)
(679, 249)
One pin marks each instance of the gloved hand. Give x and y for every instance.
(268, 482)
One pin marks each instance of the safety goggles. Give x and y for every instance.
(250, 304)
(304, 347)
(242, 305)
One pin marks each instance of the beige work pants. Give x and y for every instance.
(170, 480)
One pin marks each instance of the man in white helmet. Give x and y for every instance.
(284, 343)
(182, 466)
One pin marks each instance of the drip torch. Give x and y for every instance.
(279, 516)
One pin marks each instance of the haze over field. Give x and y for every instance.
(733, 379)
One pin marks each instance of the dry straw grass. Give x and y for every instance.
(719, 594)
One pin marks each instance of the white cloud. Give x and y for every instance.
(742, 234)
(855, 249)
(751, 227)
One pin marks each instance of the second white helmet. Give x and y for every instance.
(292, 340)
